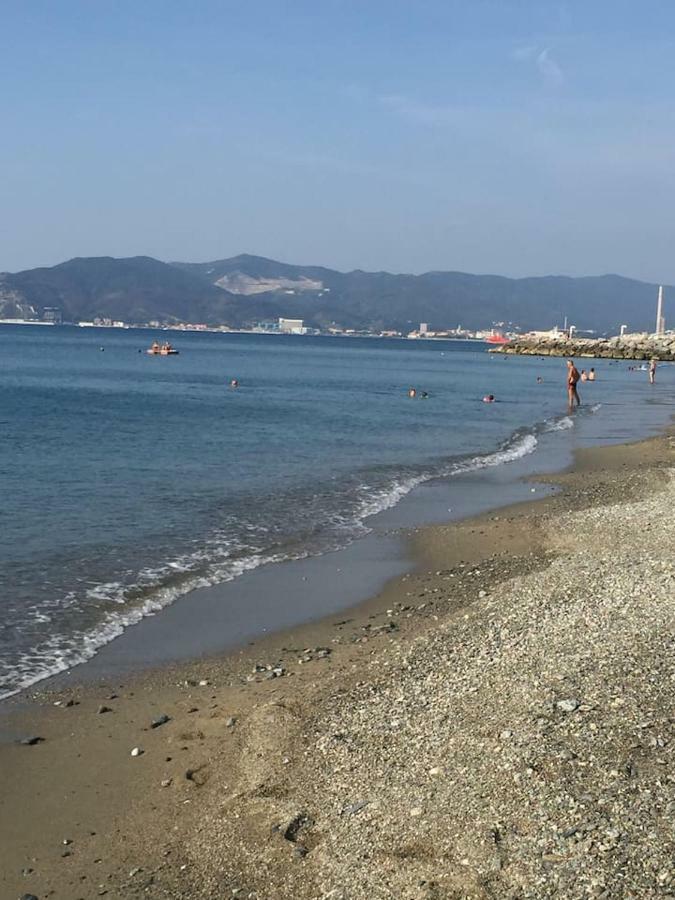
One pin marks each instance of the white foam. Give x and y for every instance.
(387, 497)
(560, 424)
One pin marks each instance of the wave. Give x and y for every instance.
(562, 424)
(222, 559)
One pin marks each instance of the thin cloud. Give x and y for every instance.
(548, 68)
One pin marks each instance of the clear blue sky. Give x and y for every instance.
(509, 136)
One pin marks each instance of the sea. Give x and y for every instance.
(128, 481)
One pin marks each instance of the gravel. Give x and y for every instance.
(522, 748)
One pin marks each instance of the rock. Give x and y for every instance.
(103, 709)
(568, 705)
(31, 741)
(204, 683)
(160, 720)
(28, 897)
(166, 782)
(276, 672)
(296, 825)
(416, 811)
(137, 751)
(230, 722)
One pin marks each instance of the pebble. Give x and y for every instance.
(160, 720)
(352, 808)
(31, 741)
(166, 782)
(137, 751)
(28, 897)
(103, 709)
(568, 706)
(230, 722)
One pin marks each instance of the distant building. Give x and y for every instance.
(52, 314)
(424, 327)
(292, 326)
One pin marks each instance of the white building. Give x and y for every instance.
(424, 327)
(292, 326)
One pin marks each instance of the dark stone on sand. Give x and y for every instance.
(31, 741)
(296, 825)
(160, 720)
(28, 897)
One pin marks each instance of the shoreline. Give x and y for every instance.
(82, 778)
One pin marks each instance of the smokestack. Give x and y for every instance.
(660, 321)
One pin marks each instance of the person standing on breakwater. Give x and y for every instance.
(572, 379)
(652, 371)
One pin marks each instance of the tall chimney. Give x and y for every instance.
(660, 324)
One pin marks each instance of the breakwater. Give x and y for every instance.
(626, 346)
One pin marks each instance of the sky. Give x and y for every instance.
(517, 137)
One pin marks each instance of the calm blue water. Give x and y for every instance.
(128, 480)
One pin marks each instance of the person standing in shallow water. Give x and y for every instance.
(652, 371)
(572, 379)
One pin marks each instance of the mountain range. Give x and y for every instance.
(243, 290)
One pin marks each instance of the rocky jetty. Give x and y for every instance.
(627, 346)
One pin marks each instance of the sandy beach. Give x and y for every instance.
(496, 724)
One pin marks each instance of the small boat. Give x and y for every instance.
(496, 338)
(157, 349)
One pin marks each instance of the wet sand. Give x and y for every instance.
(217, 804)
